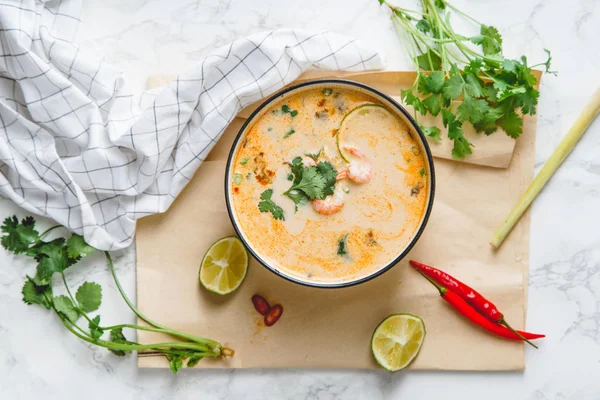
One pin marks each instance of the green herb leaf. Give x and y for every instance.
(77, 247)
(289, 133)
(429, 61)
(94, 326)
(422, 172)
(431, 131)
(267, 205)
(489, 39)
(312, 183)
(329, 173)
(462, 146)
(454, 86)
(116, 336)
(63, 305)
(433, 104)
(512, 124)
(342, 245)
(89, 296)
(297, 168)
(315, 156)
(52, 257)
(34, 294)
(193, 361)
(412, 100)
(18, 237)
(472, 109)
(423, 25)
(175, 363)
(432, 83)
(245, 161)
(287, 110)
(488, 123)
(327, 91)
(298, 197)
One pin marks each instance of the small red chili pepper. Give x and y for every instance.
(260, 304)
(273, 315)
(460, 305)
(470, 295)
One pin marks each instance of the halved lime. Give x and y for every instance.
(224, 266)
(359, 122)
(397, 341)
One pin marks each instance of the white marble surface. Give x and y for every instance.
(38, 359)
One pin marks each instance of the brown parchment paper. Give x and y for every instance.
(331, 328)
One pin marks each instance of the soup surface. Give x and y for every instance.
(358, 180)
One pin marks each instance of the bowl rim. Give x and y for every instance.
(377, 93)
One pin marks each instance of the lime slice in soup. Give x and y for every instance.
(358, 123)
(397, 341)
(224, 266)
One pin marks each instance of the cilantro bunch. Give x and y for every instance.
(496, 92)
(309, 183)
(53, 258)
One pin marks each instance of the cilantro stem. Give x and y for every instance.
(47, 231)
(136, 346)
(193, 338)
(463, 14)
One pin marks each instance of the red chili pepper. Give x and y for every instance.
(487, 308)
(460, 305)
(260, 304)
(467, 293)
(273, 315)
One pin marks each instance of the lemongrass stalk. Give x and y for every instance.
(554, 161)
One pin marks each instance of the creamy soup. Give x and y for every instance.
(359, 183)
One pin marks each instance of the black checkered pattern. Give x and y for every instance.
(75, 146)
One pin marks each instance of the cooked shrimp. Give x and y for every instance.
(342, 174)
(330, 204)
(359, 170)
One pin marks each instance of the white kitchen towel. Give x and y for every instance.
(78, 147)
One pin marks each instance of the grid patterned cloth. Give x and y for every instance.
(78, 147)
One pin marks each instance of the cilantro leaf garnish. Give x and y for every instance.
(267, 205)
(314, 156)
(315, 182)
(491, 91)
(342, 245)
(289, 133)
(287, 110)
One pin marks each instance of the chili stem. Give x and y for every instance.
(503, 322)
(439, 287)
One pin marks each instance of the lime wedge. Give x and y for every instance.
(397, 341)
(359, 123)
(224, 266)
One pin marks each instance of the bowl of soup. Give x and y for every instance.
(329, 183)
